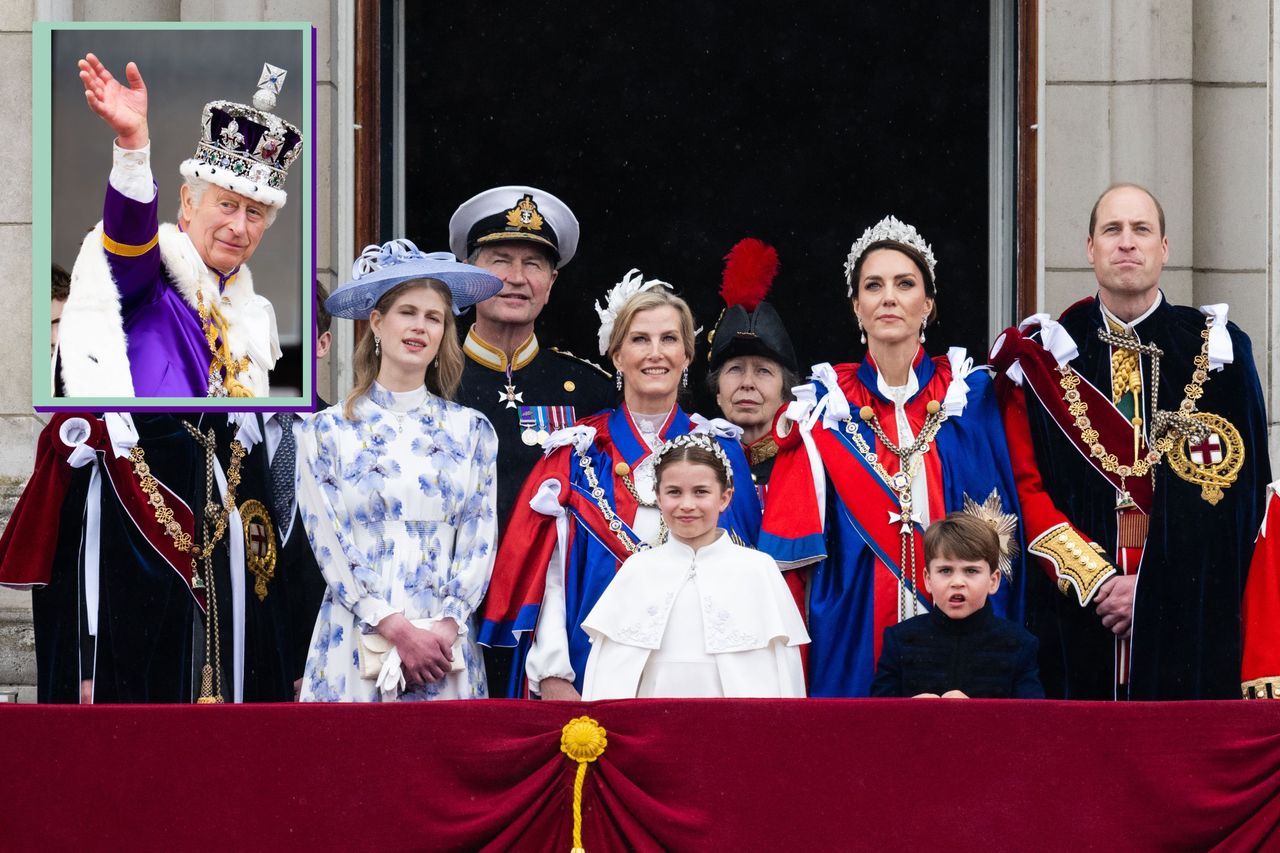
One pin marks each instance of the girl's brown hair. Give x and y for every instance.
(444, 373)
(695, 456)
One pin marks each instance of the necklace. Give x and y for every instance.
(223, 369)
(615, 523)
(1165, 426)
(212, 514)
(909, 459)
(623, 470)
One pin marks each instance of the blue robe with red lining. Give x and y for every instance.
(593, 553)
(851, 555)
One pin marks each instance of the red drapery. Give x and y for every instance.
(676, 775)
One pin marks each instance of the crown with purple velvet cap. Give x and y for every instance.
(247, 149)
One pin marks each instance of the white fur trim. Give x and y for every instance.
(228, 180)
(91, 339)
(251, 320)
(95, 360)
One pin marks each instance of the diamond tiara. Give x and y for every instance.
(893, 230)
(700, 440)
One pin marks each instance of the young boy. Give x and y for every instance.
(960, 649)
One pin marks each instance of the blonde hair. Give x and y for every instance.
(443, 375)
(646, 301)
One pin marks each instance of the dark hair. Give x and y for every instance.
(323, 317)
(695, 456)
(961, 536)
(1093, 214)
(61, 286)
(443, 375)
(916, 258)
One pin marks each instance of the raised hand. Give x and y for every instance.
(124, 109)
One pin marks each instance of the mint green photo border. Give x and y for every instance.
(41, 224)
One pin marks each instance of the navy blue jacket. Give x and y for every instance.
(982, 655)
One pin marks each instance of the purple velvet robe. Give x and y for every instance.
(168, 354)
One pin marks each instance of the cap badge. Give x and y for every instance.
(525, 215)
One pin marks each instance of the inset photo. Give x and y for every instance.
(173, 217)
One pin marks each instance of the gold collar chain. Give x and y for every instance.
(1164, 425)
(615, 524)
(164, 514)
(223, 369)
(909, 459)
(211, 671)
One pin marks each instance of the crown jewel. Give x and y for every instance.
(247, 149)
(894, 230)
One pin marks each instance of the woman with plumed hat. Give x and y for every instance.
(871, 453)
(396, 490)
(751, 365)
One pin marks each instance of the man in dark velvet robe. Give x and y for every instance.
(1143, 510)
(144, 641)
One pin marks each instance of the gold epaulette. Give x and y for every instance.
(762, 450)
(1079, 562)
(1261, 688)
(597, 368)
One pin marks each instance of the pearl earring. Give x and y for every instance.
(922, 325)
(862, 333)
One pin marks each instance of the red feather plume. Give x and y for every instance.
(749, 271)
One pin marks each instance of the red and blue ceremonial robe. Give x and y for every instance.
(832, 516)
(578, 533)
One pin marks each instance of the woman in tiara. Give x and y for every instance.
(396, 490)
(871, 452)
(591, 502)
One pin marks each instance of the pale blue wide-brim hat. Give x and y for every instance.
(380, 268)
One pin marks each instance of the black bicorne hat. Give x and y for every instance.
(749, 325)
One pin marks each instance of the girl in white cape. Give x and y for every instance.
(699, 615)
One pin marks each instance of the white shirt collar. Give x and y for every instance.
(1129, 327)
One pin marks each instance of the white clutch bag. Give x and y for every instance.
(374, 648)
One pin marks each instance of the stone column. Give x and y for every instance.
(1178, 95)
(1117, 107)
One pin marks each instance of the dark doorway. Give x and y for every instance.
(675, 129)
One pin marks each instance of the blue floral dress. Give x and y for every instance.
(399, 507)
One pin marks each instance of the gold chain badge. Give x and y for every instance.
(259, 545)
(1212, 461)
